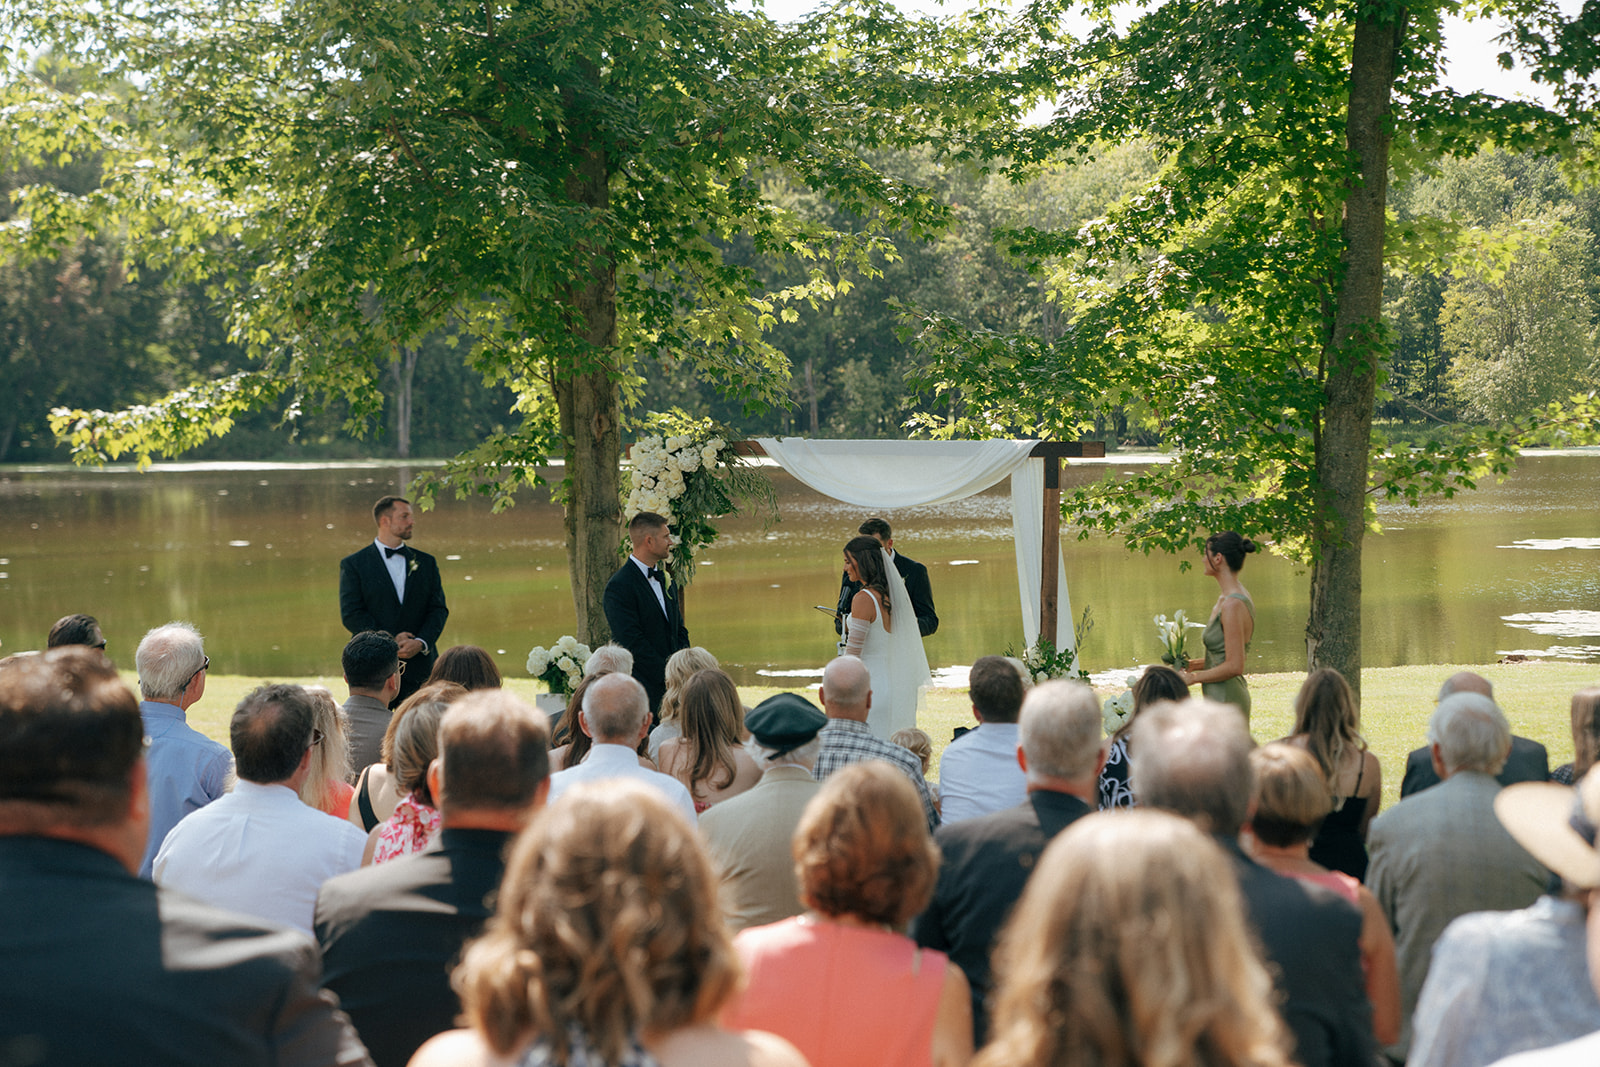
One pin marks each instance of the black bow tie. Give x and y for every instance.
(390, 553)
(655, 576)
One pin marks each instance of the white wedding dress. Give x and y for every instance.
(895, 660)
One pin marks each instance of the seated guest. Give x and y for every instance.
(1193, 759)
(327, 787)
(377, 792)
(748, 836)
(75, 630)
(1094, 968)
(978, 772)
(187, 770)
(415, 819)
(1527, 762)
(628, 969)
(259, 850)
(1585, 737)
(609, 658)
(372, 670)
(846, 696)
(840, 981)
(681, 666)
(987, 860)
(1327, 724)
(1442, 853)
(468, 666)
(917, 742)
(390, 934)
(571, 743)
(615, 715)
(102, 967)
(1157, 683)
(1508, 981)
(709, 759)
(1291, 800)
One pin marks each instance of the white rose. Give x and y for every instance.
(716, 444)
(708, 456)
(672, 444)
(566, 664)
(567, 643)
(688, 461)
(538, 660)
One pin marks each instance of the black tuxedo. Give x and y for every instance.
(367, 602)
(100, 967)
(915, 575)
(987, 861)
(391, 933)
(1528, 762)
(638, 624)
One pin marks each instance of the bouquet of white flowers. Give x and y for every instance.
(1115, 711)
(1044, 662)
(1172, 637)
(561, 665)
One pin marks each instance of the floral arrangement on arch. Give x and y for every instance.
(561, 665)
(690, 475)
(1044, 662)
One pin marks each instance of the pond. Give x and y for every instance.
(250, 553)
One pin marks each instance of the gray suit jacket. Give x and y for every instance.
(369, 721)
(748, 837)
(1438, 855)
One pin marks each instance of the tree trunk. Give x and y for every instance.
(404, 371)
(591, 422)
(811, 390)
(1333, 632)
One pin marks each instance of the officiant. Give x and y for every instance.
(914, 574)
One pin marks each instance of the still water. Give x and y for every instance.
(250, 553)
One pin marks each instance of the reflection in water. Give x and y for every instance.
(1555, 544)
(1558, 623)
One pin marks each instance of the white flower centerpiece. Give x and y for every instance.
(1044, 662)
(561, 665)
(1173, 633)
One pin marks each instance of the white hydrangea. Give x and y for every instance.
(538, 661)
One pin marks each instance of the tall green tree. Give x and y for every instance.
(556, 178)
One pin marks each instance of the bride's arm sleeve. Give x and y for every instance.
(855, 634)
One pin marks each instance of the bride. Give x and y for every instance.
(882, 629)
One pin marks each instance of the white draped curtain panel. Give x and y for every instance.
(882, 475)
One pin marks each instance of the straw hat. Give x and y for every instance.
(1557, 825)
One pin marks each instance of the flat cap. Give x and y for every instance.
(784, 722)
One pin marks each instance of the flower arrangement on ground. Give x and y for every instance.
(1173, 632)
(561, 665)
(689, 474)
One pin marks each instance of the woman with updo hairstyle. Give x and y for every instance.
(1585, 737)
(841, 981)
(1129, 948)
(376, 790)
(468, 666)
(607, 947)
(1156, 684)
(681, 666)
(709, 759)
(1291, 800)
(1220, 674)
(1327, 725)
(415, 819)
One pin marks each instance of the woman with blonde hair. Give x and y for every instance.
(681, 666)
(841, 981)
(1585, 737)
(709, 758)
(607, 947)
(1327, 724)
(327, 784)
(377, 792)
(1129, 947)
(1291, 800)
(415, 819)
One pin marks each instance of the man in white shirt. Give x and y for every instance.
(260, 850)
(616, 714)
(978, 773)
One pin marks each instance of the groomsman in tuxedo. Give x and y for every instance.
(391, 586)
(641, 609)
(914, 574)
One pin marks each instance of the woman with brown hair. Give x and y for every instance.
(1585, 737)
(1156, 684)
(1327, 724)
(468, 666)
(1221, 674)
(709, 758)
(607, 947)
(376, 790)
(1129, 947)
(841, 981)
(882, 630)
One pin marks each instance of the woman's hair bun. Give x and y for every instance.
(1249, 545)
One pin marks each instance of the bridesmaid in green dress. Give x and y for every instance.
(1233, 623)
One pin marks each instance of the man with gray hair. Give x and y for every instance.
(187, 770)
(609, 657)
(1442, 853)
(616, 715)
(1193, 759)
(847, 698)
(260, 850)
(987, 859)
(748, 835)
(1528, 761)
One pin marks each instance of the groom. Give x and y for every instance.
(914, 574)
(641, 609)
(392, 587)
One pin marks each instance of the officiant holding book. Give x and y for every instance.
(914, 574)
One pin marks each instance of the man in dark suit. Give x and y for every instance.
(392, 587)
(641, 609)
(1193, 759)
(987, 859)
(914, 574)
(1528, 762)
(100, 966)
(391, 933)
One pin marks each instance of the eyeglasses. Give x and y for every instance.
(316, 738)
(203, 668)
(401, 669)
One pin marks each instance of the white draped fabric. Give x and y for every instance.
(900, 474)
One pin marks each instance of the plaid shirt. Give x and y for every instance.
(846, 741)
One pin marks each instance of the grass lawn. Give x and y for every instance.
(1396, 703)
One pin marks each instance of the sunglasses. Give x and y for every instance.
(203, 668)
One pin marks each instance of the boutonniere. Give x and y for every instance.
(411, 566)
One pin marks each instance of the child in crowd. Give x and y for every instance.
(920, 746)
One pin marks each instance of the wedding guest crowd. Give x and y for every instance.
(774, 886)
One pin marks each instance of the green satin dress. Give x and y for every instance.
(1234, 690)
